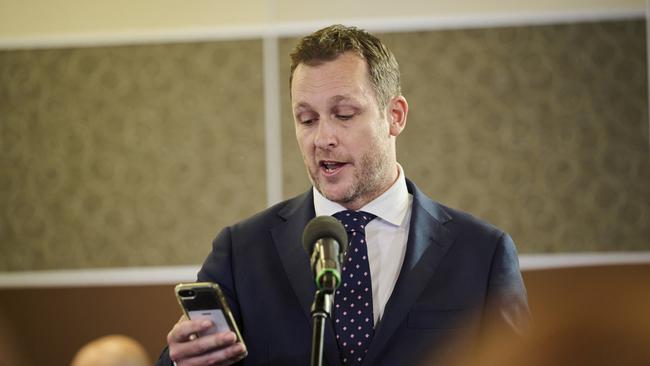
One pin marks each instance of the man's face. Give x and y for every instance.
(346, 141)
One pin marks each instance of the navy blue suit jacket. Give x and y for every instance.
(456, 272)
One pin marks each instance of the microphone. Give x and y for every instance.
(326, 241)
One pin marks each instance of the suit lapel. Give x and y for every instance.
(428, 242)
(287, 237)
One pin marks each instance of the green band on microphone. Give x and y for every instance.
(322, 272)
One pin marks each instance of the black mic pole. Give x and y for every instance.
(326, 240)
(320, 312)
(321, 309)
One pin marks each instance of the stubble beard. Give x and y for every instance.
(369, 181)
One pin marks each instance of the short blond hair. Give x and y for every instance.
(328, 43)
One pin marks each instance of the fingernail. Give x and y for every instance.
(232, 337)
(206, 323)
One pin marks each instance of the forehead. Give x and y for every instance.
(345, 77)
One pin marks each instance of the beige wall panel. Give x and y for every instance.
(127, 156)
(61, 18)
(42, 17)
(294, 175)
(542, 131)
(292, 10)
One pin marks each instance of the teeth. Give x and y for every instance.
(330, 166)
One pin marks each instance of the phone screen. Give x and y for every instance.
(215, 315)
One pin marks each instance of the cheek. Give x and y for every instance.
(386, 128)
(380, 132)
(303, 143)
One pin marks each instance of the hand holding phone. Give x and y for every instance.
(204, 300)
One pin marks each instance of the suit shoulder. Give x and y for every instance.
(470, 228)
(452, 218)
(467, 219)
(476, 235)
(273, 215)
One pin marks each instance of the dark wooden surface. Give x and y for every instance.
(45, 326)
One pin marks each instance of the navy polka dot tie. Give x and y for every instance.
(353, 317)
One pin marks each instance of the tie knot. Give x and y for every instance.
(354, 220)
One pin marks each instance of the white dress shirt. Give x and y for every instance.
(386, 236)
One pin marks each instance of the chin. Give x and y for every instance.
(336, 194)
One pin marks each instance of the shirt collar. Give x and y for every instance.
(390, 206)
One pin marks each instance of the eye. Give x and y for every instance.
(308, 121)
(344, 112)
(344, 117)
(306, 118)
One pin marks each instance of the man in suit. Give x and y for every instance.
(433, 274)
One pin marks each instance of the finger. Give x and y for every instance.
(201, 345)
(222, 357)
(182, 330)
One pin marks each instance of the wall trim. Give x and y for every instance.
(132, 276)
(292, 29)
(531, 262)
(99, 277)
(272, 121)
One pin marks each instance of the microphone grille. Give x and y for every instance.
(324, 227)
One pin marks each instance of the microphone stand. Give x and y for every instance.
(320, 312)
(326, 241)
(321, 309)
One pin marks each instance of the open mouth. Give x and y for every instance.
(331, 167)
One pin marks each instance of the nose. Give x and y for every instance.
(326, 134)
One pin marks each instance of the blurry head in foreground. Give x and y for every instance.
(576, 340)
(596, 317)
(112, 350)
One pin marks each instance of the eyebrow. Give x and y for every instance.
(302, 105)
(343, 98)
(334, 100)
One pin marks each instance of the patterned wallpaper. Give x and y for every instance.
(542, 131)
(138, 155)
(122, 156)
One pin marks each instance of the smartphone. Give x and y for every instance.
(204, 300)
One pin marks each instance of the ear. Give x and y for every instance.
(397, 110)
